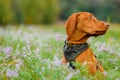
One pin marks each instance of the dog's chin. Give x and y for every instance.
(97, 33)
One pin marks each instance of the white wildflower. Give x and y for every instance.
(57, 61)
(43, 68)
(116, 68)
(117, 79)
(97, 44)
(24, 48)
(105, 73)
(17, 67)
(90, 40)
(69, 76)
(19, 63)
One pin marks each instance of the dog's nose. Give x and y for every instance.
(107, 25)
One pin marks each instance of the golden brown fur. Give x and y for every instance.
(79, 27)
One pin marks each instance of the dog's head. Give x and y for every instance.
(87, 23)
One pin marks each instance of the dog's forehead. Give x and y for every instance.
(86, 14)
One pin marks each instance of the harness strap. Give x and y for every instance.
(71, 51)
(71, 65)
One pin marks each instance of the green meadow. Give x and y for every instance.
(30, 52)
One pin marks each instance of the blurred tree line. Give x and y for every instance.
(107, 10)
(48, 11)
(28, 11)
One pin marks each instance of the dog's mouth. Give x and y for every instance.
(97, 33)
(101, 32)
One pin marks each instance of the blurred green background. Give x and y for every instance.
(51, 11)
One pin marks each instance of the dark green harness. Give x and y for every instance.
(71, 51)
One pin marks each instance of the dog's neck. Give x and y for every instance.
(77, 37)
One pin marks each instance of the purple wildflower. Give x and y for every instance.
(37, 50)
(58, 37)
(12, 73)
(104, 47)
(8, 50)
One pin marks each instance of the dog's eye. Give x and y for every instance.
(90, 18)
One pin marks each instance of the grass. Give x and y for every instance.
(34, 53)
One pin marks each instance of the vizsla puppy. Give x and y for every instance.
(79, 27)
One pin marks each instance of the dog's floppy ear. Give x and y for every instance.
(71, 23)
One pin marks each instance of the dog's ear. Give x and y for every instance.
(71, 23)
